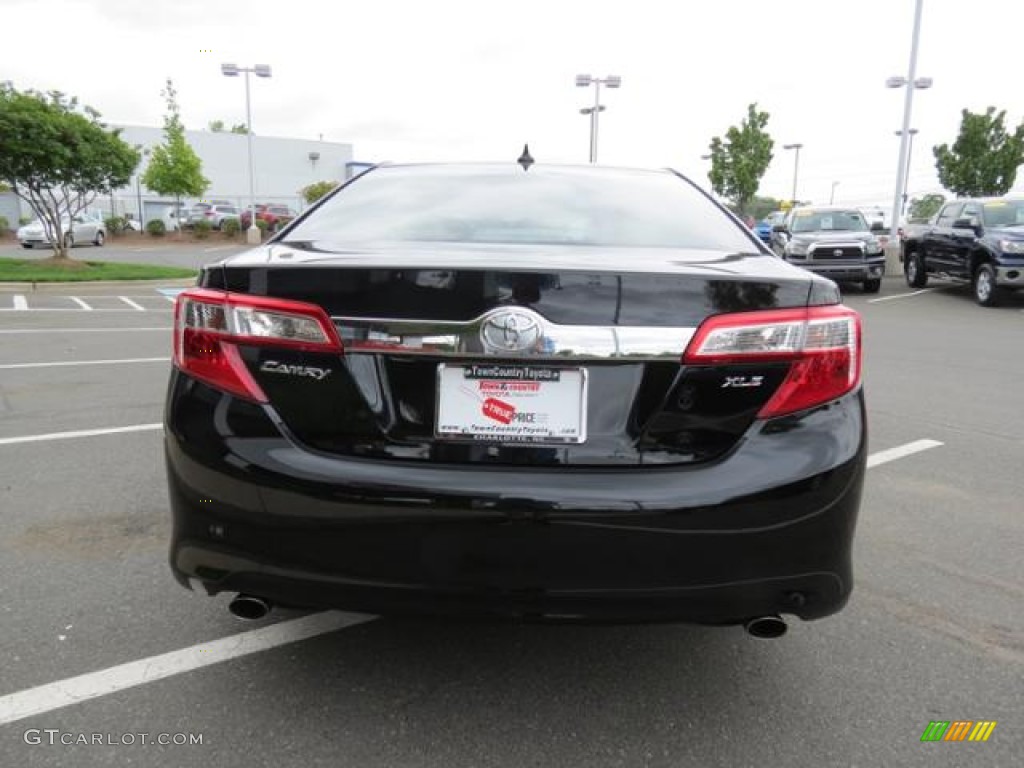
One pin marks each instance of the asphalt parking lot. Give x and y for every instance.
(96, 638)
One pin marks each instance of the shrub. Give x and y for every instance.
(262, 226)
(316, 190)
(156, 228)
(230, 227)
(202, 229)
(115, 225)
(24, 220)
(4, 225)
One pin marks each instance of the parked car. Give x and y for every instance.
(276, 216)
(766, 226)
(572, 393)
(215, 214)
(83, 228)
(978, 240)
(835, 242)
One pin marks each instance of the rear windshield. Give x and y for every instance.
(545, 205)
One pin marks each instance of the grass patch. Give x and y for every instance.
(74, 271)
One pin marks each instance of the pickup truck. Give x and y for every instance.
(978, 241)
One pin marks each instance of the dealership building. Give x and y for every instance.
(282, 168)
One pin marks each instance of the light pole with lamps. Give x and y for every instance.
(585, 81)
(906, 177)
(796, 165)
(911, 82)
(252, 235)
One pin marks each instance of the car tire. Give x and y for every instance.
(986, 291)
(873, 286)
(98, 241)
(914, 271)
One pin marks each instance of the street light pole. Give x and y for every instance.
(910, 83)
(832, 197)
(584, 81)
(252, 235)
(906, 177)
(796, 165)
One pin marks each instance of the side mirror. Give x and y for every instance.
(877, 226)
(969, 223)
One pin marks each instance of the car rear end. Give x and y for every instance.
(397, 408)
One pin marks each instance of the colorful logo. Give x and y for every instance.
(958, 730)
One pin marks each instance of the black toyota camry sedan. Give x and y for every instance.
(517, 390)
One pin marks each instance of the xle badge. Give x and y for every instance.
(742, 381)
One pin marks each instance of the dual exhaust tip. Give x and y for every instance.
(765, 627)
(249, 607)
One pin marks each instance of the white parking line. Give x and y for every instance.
(46, 698)
(80, 303)
(80, 330)
(901, 452)
(131, 303)
(78, 433)
(902, 295)
(20, 303)
(73, 363)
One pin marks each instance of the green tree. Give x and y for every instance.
(57, 158)
(216, 126)
(174, 167)
(923, 208)
(240, 128)
(316, 190)
(984, 158)
(739, 162)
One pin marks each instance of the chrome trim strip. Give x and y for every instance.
(444, 338)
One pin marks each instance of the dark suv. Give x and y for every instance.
(834, 242)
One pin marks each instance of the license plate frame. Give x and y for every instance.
(511, 403)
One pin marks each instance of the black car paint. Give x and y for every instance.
(671, 511)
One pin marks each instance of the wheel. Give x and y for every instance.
(98, 242)
(913, 270)
(986, 292)
(873, 286)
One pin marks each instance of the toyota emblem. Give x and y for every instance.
(838, 252)
(511, 330)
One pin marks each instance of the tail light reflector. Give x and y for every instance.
(823, 345)
(209, 327)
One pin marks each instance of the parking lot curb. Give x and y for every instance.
(70, 284)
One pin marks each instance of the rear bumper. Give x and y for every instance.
(767, 529)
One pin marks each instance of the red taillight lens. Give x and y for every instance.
(822, 343)
(209, 326)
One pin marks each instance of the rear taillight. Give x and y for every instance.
(822, 344)
(209, 327)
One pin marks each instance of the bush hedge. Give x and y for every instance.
(156, 228)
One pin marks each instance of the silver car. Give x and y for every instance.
(85, 228)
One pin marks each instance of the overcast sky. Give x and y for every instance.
(473, 80)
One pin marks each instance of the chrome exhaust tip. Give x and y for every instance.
(765, 627)
(248, 607)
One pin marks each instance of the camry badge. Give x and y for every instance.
(511, 330)
(308, 371)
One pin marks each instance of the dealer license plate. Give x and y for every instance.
(512, 403)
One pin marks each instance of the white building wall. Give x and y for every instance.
(283, 167)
